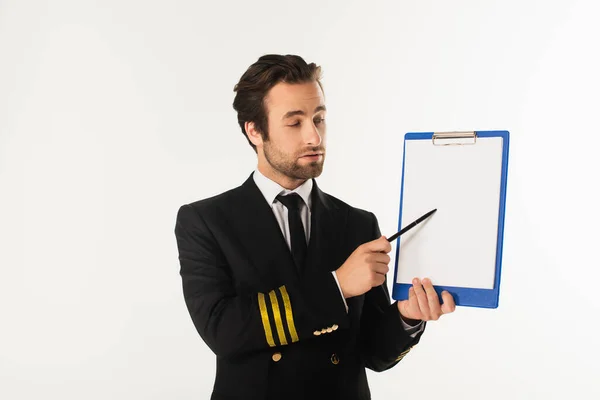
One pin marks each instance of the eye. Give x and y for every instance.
(297, 123)
(319, 120)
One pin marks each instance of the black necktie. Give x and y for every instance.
(298, 237)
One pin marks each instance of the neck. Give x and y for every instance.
(277, 177)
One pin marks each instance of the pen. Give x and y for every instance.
(412, 225)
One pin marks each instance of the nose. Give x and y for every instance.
(312, 137)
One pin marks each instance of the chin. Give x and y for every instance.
(314, 170)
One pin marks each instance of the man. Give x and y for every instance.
(285, 283)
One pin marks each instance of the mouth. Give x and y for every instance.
(312, 156)
(315, 154)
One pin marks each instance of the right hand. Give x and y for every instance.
(365, 268)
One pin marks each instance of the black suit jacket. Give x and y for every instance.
(278, 333)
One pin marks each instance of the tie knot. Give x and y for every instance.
(291, 201)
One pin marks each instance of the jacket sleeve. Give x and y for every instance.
(383, 339)
(233, 324)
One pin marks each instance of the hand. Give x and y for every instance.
(423, 303)
(365, 268)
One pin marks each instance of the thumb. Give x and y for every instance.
(378, 245)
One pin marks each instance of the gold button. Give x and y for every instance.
(316, 333)
(334, 327)
(335, 359)
(276, 356)
(323, 330)
(329, 330)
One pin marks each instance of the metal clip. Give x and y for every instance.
(453, 138)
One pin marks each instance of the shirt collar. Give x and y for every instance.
(271, 189)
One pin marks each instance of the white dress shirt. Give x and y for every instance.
(271, 190)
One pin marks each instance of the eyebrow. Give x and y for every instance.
(300, 112)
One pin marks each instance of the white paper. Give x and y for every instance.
(456, 246)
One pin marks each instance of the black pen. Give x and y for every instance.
(412, 225)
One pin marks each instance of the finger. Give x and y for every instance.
(413, 304)
(379, 258)
(381, 268)
(422, 298)
(433, 299)
(448, 306)
(376, 279)
(378, 245)
(379, 280)
(411, 294)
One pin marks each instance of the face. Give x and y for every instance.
(295, 148)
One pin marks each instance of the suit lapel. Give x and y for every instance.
(260, 236)
(328, 223)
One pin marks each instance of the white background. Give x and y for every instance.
(114, 113)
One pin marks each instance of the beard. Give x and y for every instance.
(290, 165)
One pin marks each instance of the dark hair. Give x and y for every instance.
(259, 78)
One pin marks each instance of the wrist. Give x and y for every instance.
(339, 277)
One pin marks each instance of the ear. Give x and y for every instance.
(254, 136)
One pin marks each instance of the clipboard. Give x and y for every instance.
(464, 176)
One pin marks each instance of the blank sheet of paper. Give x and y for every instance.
(456, 246)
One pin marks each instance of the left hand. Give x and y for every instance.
(423, 303)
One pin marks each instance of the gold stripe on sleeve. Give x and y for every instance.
(289, 315)
(265, 319)
(277, 316)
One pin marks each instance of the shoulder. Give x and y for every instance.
(213, 202)
(210, 205)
